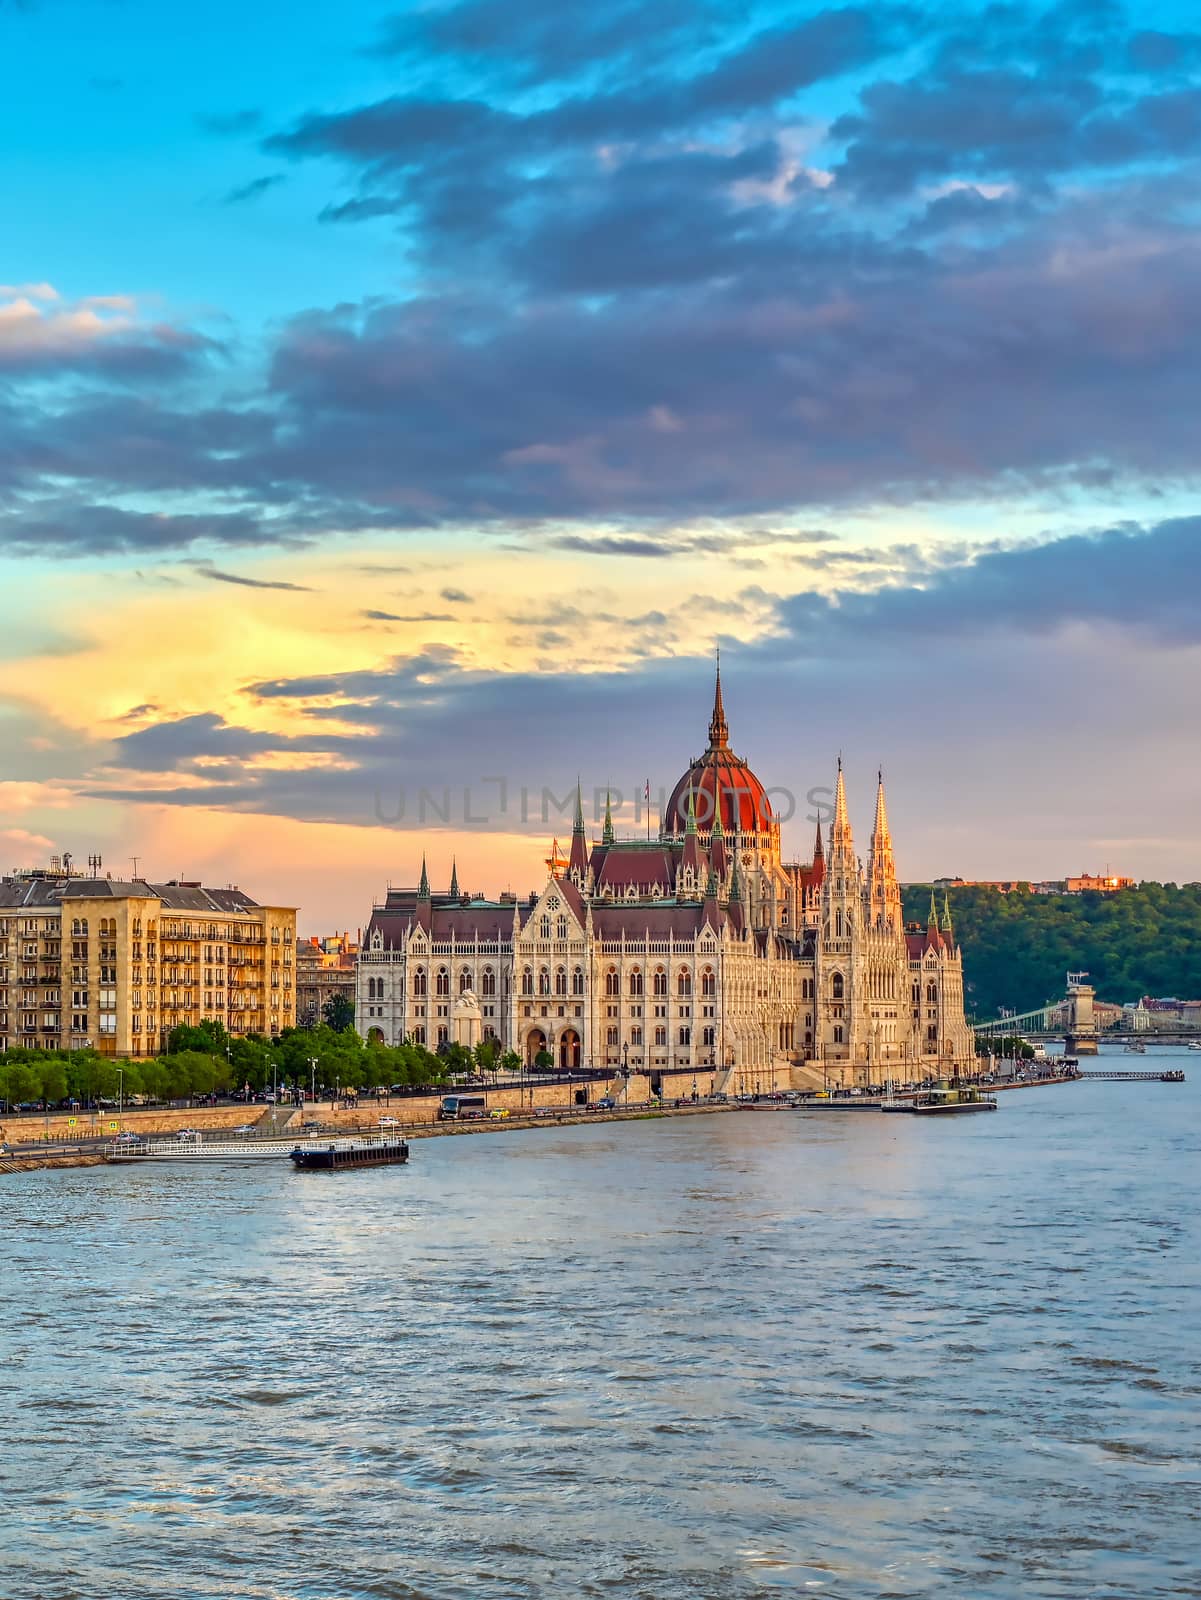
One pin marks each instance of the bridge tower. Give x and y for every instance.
(1081, 1036)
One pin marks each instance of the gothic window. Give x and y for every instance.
(577, 980)
(419, 983)
(708, 1037)
(708, 983)
(527, 980)
(636, 1037)
(543, 980)
(442, 984)
(544, 928)
(464, 980)
(612, 982)
(837, 987)
(560, 980)
(685, 1037)
(931, 994)
(684, 983)
(660, 1038)
(636, 982)
(561, 929)
(932, 1033)
(838, 1033)
(419, 1035)
(488, 981)
(611, 1036)
(660, 982)
(917, 994)
(443, 1033)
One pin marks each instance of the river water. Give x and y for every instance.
(694, 1359)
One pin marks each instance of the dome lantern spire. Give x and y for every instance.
(719, 729)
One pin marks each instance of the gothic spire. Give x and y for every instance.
(735, 883)
(690, 824)
(578, 863)
(946, 915)
(719, 731)
(932, 919)
(454, 878)
(423, 888)
(818, 852)
(607, 835)
(884, 894)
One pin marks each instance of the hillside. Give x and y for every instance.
(1017, 948)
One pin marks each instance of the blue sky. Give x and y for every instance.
(371, 376)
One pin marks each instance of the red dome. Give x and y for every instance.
(719, 778)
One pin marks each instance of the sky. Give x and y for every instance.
(399, 407)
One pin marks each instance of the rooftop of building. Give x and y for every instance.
(35, 888)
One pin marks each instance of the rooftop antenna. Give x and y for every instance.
(94, 865)
(135, 860)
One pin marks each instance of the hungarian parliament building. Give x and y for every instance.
(701, 950)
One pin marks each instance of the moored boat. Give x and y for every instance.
(943, 1102)
(339, 1153)
(1172, 1075)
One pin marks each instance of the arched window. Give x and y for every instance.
(443, 1033)
(838, 1033)
(561, 981)
(442, 985)
(660, 983)
(419, 982)
(708, 983)
(660, 1038)
(527, 980)
(708, 1037)
(837, 986)
(543, 980)
(684, 983)
(464, 979)
(931, 994)
(544, 927)
(561, 928)
(612, 983)
(636, 1037)
(685, 1037)
(419, 1035)
(577, 980)
(636, 981)
(611, 1037)
(488, 981)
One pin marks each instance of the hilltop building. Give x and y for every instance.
(702, 949)
(117, 965)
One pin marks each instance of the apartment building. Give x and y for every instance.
(325, 967)
(118, 964)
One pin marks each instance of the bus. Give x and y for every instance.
(462, 1107)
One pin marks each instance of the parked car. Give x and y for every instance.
(188, 1136)
(606, 1103)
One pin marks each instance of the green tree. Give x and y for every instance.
(338, 1013)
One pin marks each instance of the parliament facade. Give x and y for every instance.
(701, 950)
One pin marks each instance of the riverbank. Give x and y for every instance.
(32, 1160)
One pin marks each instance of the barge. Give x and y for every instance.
(943, 1103)
(340, 1153)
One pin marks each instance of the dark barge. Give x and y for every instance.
(341, 1153)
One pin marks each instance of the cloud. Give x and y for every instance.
(104, 335)
(230, 122)
(457, 596)
(251, 583)
(255, 188)
(421, 616)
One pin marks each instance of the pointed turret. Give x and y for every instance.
(423, 888)
(578, 862)
(933, 936)
(607, 834)
(717, 848)
(842, 879)
(842, 841)
(946, 919)
(454, 878)
(884, 893)
(818, 853)
(719, 731)
(692, 859)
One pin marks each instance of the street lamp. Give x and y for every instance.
(312, 1077)
(120, 1092)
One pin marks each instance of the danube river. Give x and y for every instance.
(695, 1359)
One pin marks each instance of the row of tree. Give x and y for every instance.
(1019, 947)
(206, 1060)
